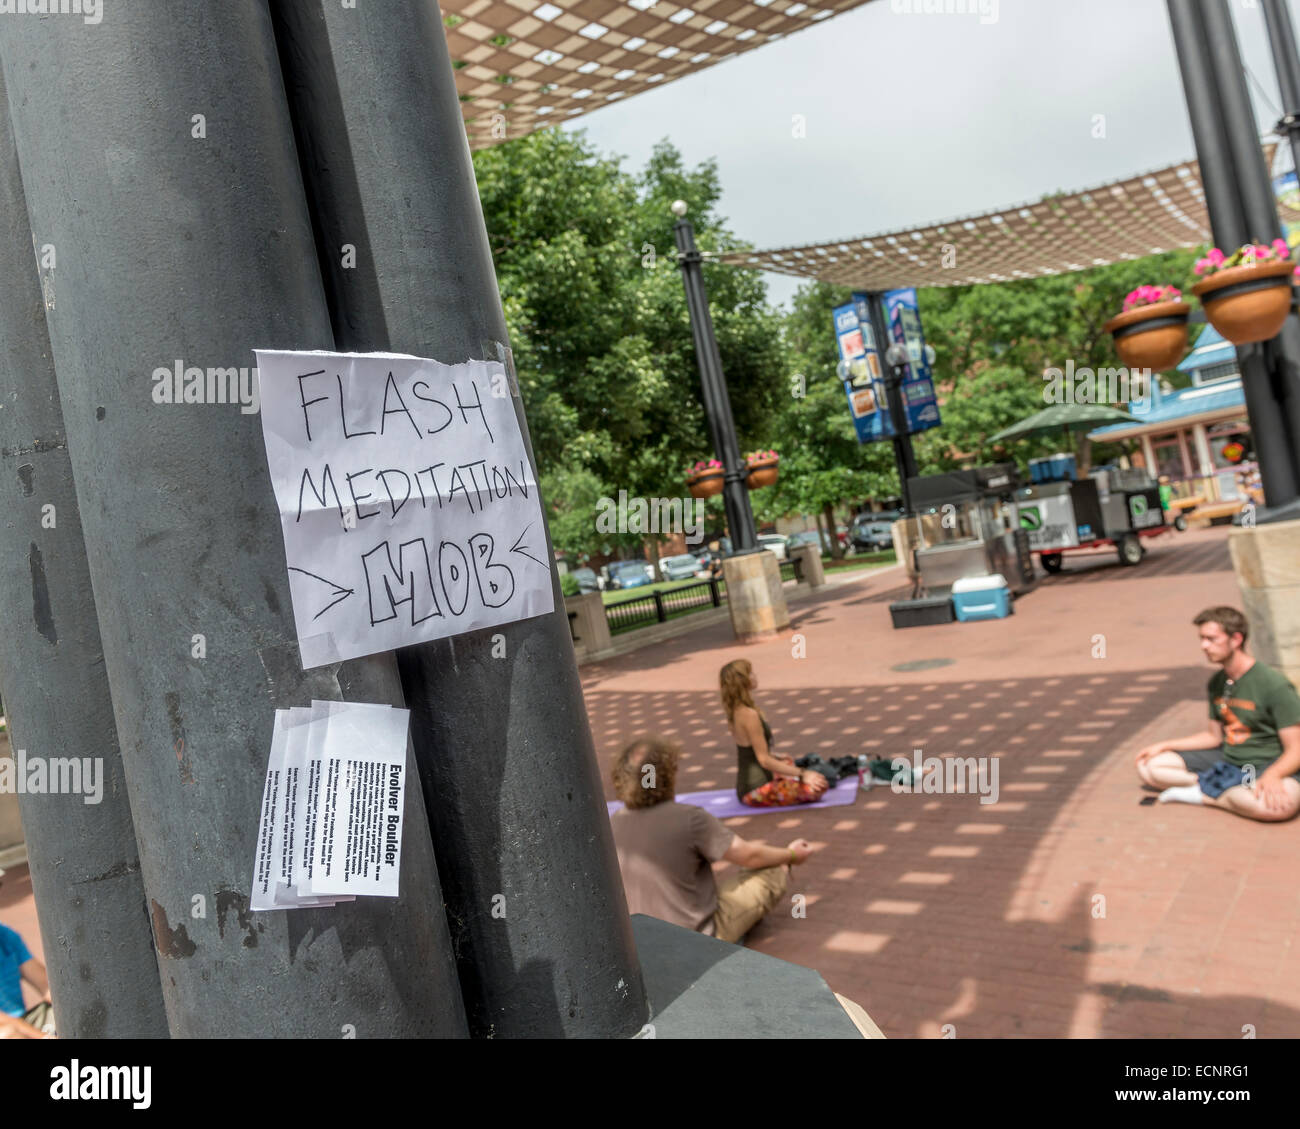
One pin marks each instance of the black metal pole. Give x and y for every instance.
(904, 455)
(1214, 123)
(717, 401)
(514, 793)
(1259, 204)
(81, 848)
(1286, 61)
(157, 158)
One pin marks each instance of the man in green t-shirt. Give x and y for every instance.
(1248, 759)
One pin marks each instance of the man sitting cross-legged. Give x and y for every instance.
(1248, 759)
(665, 848)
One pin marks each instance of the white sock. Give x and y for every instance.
(1183, 794)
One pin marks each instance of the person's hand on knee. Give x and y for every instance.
(1271, 793)
(800, 851)
(815, 781)
(1146, 754)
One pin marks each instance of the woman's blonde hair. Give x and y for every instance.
(734, 680)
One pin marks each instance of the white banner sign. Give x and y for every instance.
(408, 505)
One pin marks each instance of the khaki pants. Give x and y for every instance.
(745, 899)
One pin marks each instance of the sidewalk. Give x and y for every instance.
(1063, 909)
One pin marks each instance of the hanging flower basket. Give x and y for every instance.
(1151, 333)
(705, 479)
(1247, 296)
(763, 469)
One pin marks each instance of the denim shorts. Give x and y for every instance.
(1203, 760)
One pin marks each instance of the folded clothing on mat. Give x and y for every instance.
(836, 769)
(723, 803)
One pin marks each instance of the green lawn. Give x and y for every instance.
(860, 560)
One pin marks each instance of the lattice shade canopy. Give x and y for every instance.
(524, 64)
(1125, 219)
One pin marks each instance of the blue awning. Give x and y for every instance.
(1211, 349)
(1185, 403)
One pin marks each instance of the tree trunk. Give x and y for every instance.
(821, 533)
(1084, 456)
(837, 550)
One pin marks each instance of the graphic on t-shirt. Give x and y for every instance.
(1235, 731)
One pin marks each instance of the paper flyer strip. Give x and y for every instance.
(333, 806)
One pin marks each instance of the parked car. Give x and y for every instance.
(808, 537)
(587, 579)
(873, 532)
(681, 567)
(630, 574)
(774, 543)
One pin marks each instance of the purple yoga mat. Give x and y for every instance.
(722, 802)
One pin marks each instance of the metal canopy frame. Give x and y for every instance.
(522, 65)
(1141, 215)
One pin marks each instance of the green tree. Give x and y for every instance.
(598, 321)
(992, 345)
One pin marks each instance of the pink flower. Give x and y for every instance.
(1215, 256)
(1283, 251)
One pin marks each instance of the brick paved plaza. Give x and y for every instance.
(933, 910)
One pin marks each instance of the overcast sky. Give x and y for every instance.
(911, 118)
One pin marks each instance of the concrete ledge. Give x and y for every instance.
(1266, 559)
(755, 596)
(703, 988)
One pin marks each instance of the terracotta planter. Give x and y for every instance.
(1248, 303)
(762, 474)
(706, 485)
(1151, 337)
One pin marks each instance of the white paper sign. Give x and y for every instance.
(407, 502)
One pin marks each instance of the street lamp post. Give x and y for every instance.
(896, 359)
(1281, 39)
(717, 402)
(1240, 206)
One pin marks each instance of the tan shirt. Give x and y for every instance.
(664, 853)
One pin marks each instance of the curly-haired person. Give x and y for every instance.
(665, 850)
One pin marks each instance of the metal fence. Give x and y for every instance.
(662, 605)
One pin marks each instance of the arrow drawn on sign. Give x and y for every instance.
(344, 593)
(516, 549)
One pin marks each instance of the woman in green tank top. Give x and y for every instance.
(762, 778)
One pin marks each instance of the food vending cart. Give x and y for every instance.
(1110, 507)
(966, 527)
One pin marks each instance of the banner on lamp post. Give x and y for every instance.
(861, 371)
(917, 391)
